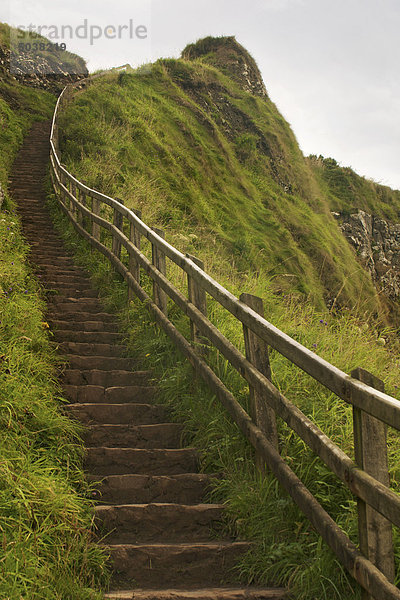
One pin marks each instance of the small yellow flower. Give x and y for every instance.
(45, 325)
(147, 354)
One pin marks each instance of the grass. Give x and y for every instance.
(219, 165)
(47, 550)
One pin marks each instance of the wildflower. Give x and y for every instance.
(147, 354)
(314, 345)
(321, 321)
(45, 325)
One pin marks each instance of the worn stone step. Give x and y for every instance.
(219, 593)
(84, 285)
(103, 461)
(96, 393)
(87, 349)
(91, 326)
(61, 294)
(185, 488)
(113, 414)
(184, 564)
(104, 363)
(158, 522)
(62, 306)
(51, 269)
(67, 280)
(87, 337)
(44, 259)
(83, 302)
(159, 435)
(81, 316)
(105, 378)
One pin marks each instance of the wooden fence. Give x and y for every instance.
(371, 565)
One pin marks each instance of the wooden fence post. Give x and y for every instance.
(197, 296)
(257, 353)
(96, 211)
(158, 259)
(134, 268)
(75, 210)
(370, 449)
(118, 222)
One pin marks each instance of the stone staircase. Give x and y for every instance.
(163, 539)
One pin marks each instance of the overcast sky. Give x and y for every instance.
(331, 66)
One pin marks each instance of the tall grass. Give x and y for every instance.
(46, 548)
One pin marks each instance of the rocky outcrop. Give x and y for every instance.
(377, 244)
(229, 56)
(40, 72)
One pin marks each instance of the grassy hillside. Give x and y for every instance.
(346, 191)
(46, 550)
(218, 167)
(199, 153)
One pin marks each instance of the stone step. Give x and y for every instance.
(159, 435)
(219, 593)
(83, 302)
(65, 280)
(116, 414)
(158, 522)
(84, 285)
(62, 306)
(103, 363)
(93, 349)
(185, 488)
(184, 564)
(105, 378)
(81, 316)
(103, 461)
(83, 326)
(50, 269)
(114, 395)
(62, 294)
(87, 337)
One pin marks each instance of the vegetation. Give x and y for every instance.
(220, 170)
(46, 549)
(347, 191)
(195, 152)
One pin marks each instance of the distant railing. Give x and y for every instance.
(372, 566)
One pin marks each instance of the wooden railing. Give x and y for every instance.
(372, 566)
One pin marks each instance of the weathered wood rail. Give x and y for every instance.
(371, 565)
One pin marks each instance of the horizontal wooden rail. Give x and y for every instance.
(370, 487)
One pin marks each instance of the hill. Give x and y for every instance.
(197, 144)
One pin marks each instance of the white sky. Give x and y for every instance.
(331, 66)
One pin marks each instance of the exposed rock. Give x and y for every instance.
(39, 71)
(377, 243)
(229, 56)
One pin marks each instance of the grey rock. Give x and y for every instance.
(377, 244)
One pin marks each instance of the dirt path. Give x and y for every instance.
(162, 537)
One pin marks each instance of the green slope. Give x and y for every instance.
(198, 152)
